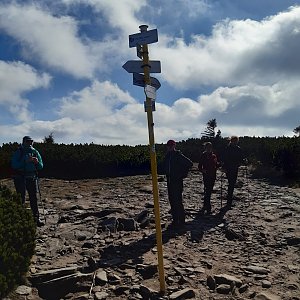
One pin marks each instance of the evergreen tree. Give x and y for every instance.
(209, 132)
(49, 139)
(297, 130)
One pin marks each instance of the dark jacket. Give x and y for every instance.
(177, 165)
(208, 163)
(233, 157)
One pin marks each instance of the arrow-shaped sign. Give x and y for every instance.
(139, 80)
(137, 66)
(143, 38)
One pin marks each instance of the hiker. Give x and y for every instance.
(176, 168)
(208, 164)
(233, 158)
(25, 162)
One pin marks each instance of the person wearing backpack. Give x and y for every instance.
(233, 158)
(208, 164)
(25, 162)
(176, 169)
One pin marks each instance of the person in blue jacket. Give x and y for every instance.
(26, 162)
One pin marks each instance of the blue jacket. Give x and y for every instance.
(21, 163)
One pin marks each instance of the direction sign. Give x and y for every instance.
(138, 79)
(151, 107)
(150, 91)
(143, 38)
(137, 66)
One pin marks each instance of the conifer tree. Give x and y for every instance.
(209, 132)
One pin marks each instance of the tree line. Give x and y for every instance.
(78, 161)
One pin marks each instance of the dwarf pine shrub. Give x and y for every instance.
(17, 240)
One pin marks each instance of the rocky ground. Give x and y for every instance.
(99, 242)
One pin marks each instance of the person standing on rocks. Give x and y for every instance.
(176, 168)
(208, 164)
(25, 162)
(232, 160)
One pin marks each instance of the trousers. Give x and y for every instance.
(231, 175)
(209, 182)
(175, 189)
(29, 184)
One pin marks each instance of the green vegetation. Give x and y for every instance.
(280, 154)
(17, 235)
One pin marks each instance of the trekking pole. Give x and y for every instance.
(221, 189)
(40, 195)
(247, 182)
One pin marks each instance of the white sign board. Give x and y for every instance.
(150, 91)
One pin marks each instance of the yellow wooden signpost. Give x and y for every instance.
(141, 41)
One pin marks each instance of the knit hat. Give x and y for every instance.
(171, 143)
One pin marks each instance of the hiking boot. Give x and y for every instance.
(39, 223)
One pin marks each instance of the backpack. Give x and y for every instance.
(13, 172)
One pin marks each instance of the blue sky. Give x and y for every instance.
(233, 60)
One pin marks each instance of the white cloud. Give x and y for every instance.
(121, 15)
(103, 113)
(17, 78)
(238, 51)
(98, 100)
(54, 41)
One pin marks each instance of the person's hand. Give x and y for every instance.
(34, 160)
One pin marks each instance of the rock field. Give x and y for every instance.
(99, 242)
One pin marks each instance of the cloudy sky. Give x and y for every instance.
(237, 61)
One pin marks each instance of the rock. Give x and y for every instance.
(146, 292)
(293, 241)
(143, 218)
(127, 224)
(292, 285)
(186, 293)
(266, 284)
(211, 283)
(110, 224)
(243, 288)
(232, 234)
(266, 296)
(257, 270)
(120, 290)
(101, 295)
(147, 271)
(227, 279)
(58, 287)
(43, 276)
(223, 289)
(23, 290)
(101, 277)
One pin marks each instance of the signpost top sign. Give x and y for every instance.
(143, 38)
